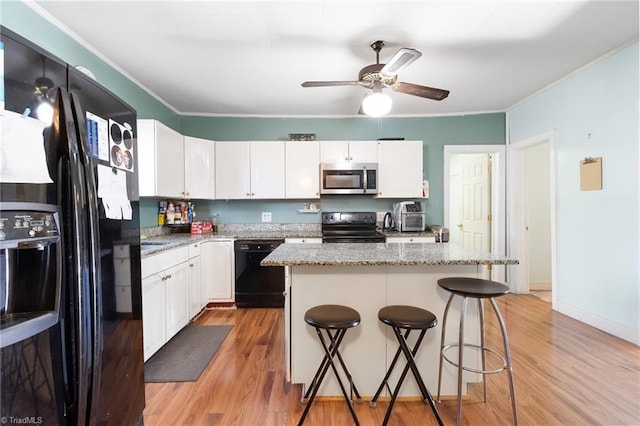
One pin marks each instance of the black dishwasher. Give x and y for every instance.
(258, 286)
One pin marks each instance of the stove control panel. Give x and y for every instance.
(356, 218)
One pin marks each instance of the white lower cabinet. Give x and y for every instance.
(217, 271)
(153, 315)
(165, 297)
(177, 302)
(195, 281)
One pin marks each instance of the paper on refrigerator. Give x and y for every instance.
(22, 155)
(112, 189)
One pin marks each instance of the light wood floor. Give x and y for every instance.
(566, 373)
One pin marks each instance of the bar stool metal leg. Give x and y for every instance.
(331, 350)
(463, 314)
(507, 352)
(322, 369)
(482, 352)
(336, 352)
(442, 340)
(411, 363)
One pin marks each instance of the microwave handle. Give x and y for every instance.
(364, 181)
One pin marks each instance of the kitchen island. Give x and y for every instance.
(367, 277)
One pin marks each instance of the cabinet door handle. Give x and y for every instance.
(191, 265)
(168, 276)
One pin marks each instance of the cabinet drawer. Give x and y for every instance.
(161, 261)
(411, 239)
(303, 240)
(194, 250)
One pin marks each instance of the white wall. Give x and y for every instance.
(594, 113)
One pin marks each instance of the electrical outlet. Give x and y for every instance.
(266, 216)
(380, 216)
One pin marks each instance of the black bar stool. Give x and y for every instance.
(408, 318)
(334, 320)
(479, 289)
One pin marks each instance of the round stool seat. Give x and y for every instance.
(332, 316)
(407, 317)
(473, 287)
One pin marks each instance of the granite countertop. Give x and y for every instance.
(158, 244)
(354, 254)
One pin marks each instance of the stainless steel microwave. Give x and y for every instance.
(348, 178)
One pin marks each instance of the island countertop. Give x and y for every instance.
(353, 254)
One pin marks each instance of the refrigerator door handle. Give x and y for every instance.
(93, 235)
(77, 274)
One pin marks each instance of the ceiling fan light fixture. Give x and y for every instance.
(44, 112)
(376, 104)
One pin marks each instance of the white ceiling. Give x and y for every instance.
(249, 58)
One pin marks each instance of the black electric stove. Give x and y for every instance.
(350, 227)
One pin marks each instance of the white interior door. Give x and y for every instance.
(519, 216)
(537, 215)
(493, 189)
(475, 223)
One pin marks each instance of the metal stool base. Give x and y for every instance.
(411, 364)
(331, 351)
(506, 359)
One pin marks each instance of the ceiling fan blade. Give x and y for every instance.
(400, 60)
(422, 91)
(329, 83)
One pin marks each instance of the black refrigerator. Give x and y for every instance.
(71, 347)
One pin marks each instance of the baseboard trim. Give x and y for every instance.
(601, 323)
(540, 286)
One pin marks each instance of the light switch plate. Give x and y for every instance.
(266, 216)
(380, 216)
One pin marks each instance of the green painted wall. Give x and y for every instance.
(434, 131)
(24, 21)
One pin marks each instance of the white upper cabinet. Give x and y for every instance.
(249, 170)
(199, 172)
(233, 178)
(351, 151)
(363, 151)
(400, 169)
(160, 160)
(302, 160)
(267, 169)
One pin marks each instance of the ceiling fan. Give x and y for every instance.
(378, 76)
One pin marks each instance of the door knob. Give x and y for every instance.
(460, 225)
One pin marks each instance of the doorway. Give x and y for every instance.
(532, 212)
(474, 201)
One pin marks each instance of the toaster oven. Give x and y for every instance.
(409, 216)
